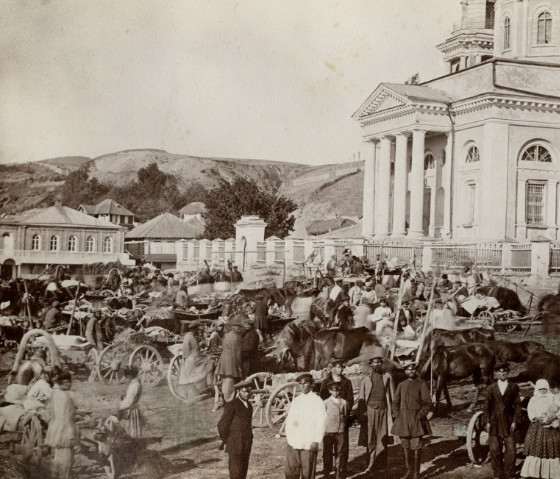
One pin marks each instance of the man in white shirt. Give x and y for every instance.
(305, 427)
(381, 316)
(355, 293)
(368, 295)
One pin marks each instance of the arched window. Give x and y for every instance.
(108, 244)
(507, 33)
(544, 28)
(429, 161)
(72, 243)
(536, 153)
(473, 155)
(36, 243)
(54, 243)
(90, 244)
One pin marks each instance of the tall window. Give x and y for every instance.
(107, 244)
(544, 28)
(72, 243)
(90, 244)
(471, 202)
(507, 33)
(473, 155)
(36, 243)
(429, 162)
(54, 243)
(534, 208)
(536, 153)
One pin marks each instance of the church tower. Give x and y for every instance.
(528, 30)
(472, 40)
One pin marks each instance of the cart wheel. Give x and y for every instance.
(173, 372)
(149, 363)
(262, 383)
(32, 441)
(109, 365)
(278, 405)
(477, 440)
(506, 317)
(487, 319)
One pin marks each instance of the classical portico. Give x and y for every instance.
(403, 173)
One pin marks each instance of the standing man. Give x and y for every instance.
(355, 293)
(236, 276)
(305, 427)
(411, 406)
(235, 429)
(346, 393)
(230, 365)
(374, 398)
(250, 348)
(503, 413)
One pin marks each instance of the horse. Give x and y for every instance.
(544, 365)
(550, 303)
(336, 344)
(508, 298)
(459, 362)
(514, 352)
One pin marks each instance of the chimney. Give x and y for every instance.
(58, 201)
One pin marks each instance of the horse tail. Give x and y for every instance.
(308, 354)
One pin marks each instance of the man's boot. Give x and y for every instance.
(408, 464)
(417, 462)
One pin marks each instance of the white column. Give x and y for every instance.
(433, 193)
(446, 180)
(369, 191)
(400, 186)
(551, 208)
(383, 185)
(521, 230)
(417, 185)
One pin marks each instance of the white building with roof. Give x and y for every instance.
(475, 154)
(111, 211)
(57, 235)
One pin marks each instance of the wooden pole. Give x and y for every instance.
(73, 310)
(27, 307)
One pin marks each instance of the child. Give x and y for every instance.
(333, 440)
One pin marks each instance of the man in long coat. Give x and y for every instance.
(503, 413)
(250, 348)
(411, 406)
(374, 399)
(235, 429)
(230, 365)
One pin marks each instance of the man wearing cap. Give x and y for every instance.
(250, 348)
(53, 316)
(230, 364)
(235, 429)
(503, 413)
(335, 438)
(346, 393)
(374, 399)
(411, 406)
(305, 427)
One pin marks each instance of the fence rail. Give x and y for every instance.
(405, 254)
(520, 257)
(484, 255)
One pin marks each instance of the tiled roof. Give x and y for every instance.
(164, 226)
(419, 92)
(61, 215)
(194, 208)
(89, 209)
(111, 207)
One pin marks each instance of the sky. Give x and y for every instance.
(262, 79)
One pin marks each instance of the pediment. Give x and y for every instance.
(382, 99)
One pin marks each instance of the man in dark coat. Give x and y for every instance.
(236, 276)
(53, 316)
(503, 413)
(261, 317)
(346, 393)
(235, 429)
(411, 406)
(374, 401)
(230, 364)
(250, 349)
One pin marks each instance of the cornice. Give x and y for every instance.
(479, 104)
(405, 110)
(379, 99)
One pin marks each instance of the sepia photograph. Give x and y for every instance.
(280, 239)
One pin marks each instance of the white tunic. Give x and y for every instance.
(306, 420)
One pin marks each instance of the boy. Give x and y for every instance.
(334, 439)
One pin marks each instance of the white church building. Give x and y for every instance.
(475, 154)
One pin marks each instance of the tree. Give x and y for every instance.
(80, 189)
(226, 203)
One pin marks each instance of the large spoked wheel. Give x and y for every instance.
(477, 440)
(32, 441)
(173, 372)
(262, 383)
(149, 363)
(278, 405)
(508, 328)
(487, 318)
(110, 365)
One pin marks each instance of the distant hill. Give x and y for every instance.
(319, 190)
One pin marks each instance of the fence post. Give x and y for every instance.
(427, 254)
(506, 257)
(270, 250)
(289, 252)
(540, 258)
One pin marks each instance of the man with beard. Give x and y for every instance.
(411, 406)
(374, 398)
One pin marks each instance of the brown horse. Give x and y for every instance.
(514, 352)
(544, 365)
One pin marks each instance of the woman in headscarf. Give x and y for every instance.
(542, 443)
(129, 411)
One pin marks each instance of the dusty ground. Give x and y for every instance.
(184, 440)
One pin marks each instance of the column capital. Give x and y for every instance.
(404, 134)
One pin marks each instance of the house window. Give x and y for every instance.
(536, 153)
(544, 28)
(90, 244)
(36, 243)
(473, 155)
(507, 33)
(108, 244)
(54, 243)
(429, 162)
(534, 208)
(72, 243)
(471, 202)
